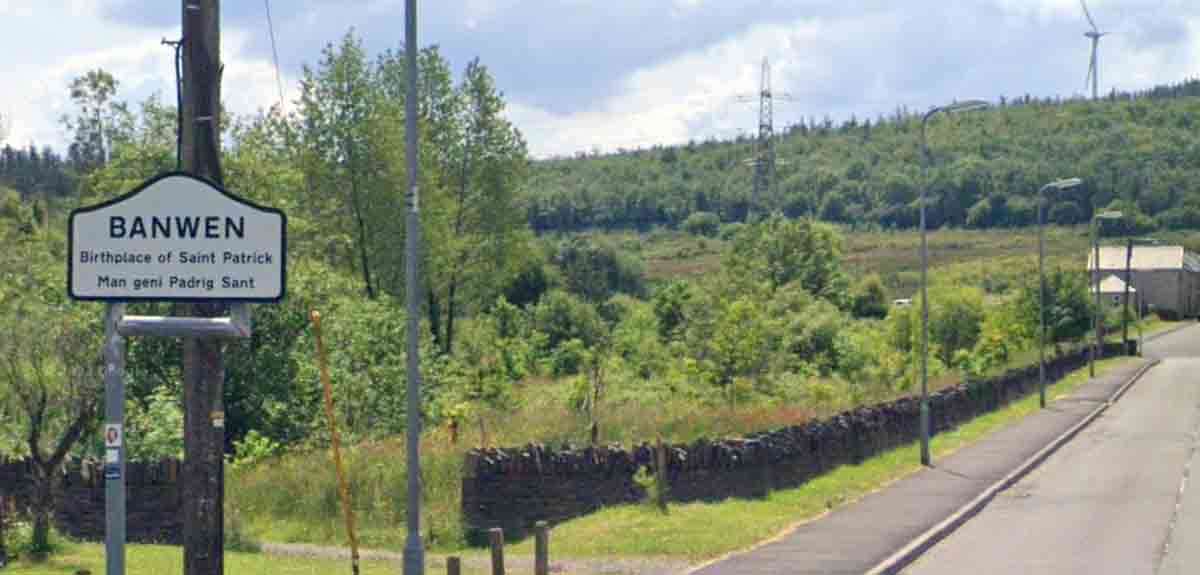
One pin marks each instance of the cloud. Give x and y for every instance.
(586, 74)
(37, 97)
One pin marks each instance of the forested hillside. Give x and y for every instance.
(1138, 149)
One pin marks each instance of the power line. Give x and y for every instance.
(274, 53)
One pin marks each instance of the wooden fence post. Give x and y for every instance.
(541, 549)
(453, 565)
(496, 539)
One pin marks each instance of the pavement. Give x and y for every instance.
(1116, 499)
(859, 537)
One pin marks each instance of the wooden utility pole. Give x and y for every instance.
(203, 364)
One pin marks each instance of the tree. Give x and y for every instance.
(780, 251)
(485, 223)
(338, 107)
(869, 298)
(51, 383)
(99, 122)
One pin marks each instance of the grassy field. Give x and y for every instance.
(894, 255)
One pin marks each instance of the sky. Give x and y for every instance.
(601, 75)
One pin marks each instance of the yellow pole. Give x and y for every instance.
(343, 486)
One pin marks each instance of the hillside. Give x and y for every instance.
(987, 168)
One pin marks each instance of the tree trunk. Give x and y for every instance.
(42, 508)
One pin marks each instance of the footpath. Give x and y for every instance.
(884, 529)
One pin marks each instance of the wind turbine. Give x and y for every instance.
(1094, 68)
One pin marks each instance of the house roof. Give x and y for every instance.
(1112, 284)
(1145, 258)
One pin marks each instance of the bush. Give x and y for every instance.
(561, 317)
(596, 271)
(705, 224)
(869, 298)
(731, 230)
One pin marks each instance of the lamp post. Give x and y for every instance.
(414, 548)
(1055, 186)
(1097, 345)
(957, 107)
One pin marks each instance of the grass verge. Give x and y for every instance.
(159, 559)
(698, 531)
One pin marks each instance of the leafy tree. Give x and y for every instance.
(339, 112)
(780, 251)
(99, 122)
(869, 298)
(705, 224)
(670, 304)
(597, 270)
(1068, 307)
(51, 381)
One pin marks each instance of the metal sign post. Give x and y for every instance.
(174, 238)
(114, 441)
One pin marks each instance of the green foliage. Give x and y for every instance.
(670, 302)
(779, 251)
(986, 168)
(596, 270)
(705, 224)
(869, 298)
(561, 317)
(1068, 305)
(254, 448)
(154, 426)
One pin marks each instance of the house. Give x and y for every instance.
(1112, 292)
(1166, 278)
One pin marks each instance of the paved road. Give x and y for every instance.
(1116, 499)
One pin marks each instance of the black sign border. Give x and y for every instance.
(141, 188)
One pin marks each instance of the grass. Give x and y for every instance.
(157, 560)
(698, 531)
(894, 255)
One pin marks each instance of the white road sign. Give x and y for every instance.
(177, 238)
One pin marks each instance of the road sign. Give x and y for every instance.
(177, 238)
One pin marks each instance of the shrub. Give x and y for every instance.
(595, 271)
(705, 224)
(561, 317)
(869, 298)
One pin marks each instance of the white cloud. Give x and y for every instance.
(694, 95)
(34, 95)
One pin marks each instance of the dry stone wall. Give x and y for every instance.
(152, 502)
(514, 488)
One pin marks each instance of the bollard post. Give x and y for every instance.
(496, 540)
(541, 549)
(453, 565)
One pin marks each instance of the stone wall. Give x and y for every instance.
(513, 488)
(152, 502)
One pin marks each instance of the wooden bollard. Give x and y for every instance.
(453, 565)
(541, 548)
(496, 539)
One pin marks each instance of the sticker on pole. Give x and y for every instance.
(112, 435)
(177, 238)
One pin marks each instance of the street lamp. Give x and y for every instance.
(1055, 186)
(1096, 347)
(954, 108)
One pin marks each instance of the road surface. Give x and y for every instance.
(1119, 498)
